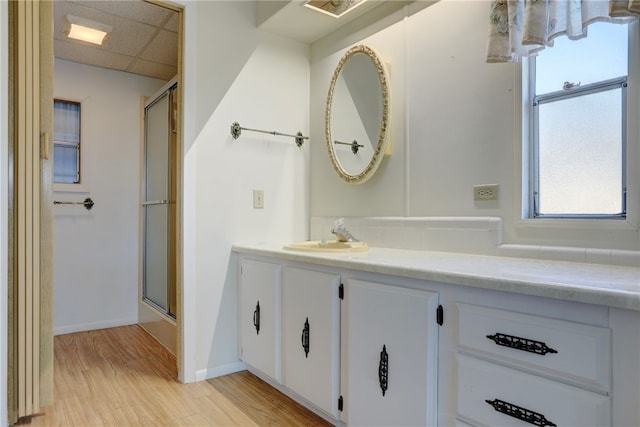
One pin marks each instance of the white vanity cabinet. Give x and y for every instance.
(391, 343)
(259, 316)
(311, 336)
(390, 348)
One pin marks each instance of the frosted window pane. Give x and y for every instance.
(66, 121)
(65, 163)
(155, 262)
(600, 56)
(580, 168)
(157, 150)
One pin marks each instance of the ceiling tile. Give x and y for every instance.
(162, 49)
(139, 11)
(135, 25)
(127, 37)
(151, 69)
(173, 23)
(91, 55)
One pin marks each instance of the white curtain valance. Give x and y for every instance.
(520, 28)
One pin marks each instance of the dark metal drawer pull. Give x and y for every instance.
(520, 413)
(256, 318)
(523, 344)
(383, 370)
(306, 338)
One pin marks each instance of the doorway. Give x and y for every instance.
(41, 351)
(99, 252)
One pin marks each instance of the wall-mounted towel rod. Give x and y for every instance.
(88, 203)
(354, 145)
(236, 130)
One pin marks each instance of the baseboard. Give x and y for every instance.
(70, 329)
(218, 371)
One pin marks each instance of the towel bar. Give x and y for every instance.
(236, 131)
(354, 145)
(88, 203)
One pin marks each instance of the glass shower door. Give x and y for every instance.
(158, 205)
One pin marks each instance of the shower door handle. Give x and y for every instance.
(156, 202)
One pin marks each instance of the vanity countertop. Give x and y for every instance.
(608, 285)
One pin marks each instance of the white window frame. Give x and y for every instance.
(75, 145)
(597, 87)
(85, 112)
(526, 152)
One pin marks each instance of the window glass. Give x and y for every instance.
(602, 55)
(66, 142)
(581, 165)
(579, 129)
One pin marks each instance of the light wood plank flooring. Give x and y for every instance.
(123, 377)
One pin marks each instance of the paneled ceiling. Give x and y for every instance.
(144, 39)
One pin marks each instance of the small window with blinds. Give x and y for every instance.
(66, 142)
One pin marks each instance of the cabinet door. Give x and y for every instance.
(390, 346)
(311, 336)
(260, 316)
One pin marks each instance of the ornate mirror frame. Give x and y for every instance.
(377, 156)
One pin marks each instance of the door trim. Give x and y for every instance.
(179, 203)
(30, 267)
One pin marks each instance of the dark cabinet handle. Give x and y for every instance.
(383, 370)
(306, 339)
(256, 318)
(520, 413)
(523, 344)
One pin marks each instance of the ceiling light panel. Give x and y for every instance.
(335, 8)
(86, 30)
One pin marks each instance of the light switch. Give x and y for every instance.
(258, 199)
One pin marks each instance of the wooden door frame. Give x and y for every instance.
(179, 202)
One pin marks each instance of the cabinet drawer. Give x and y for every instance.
(493, 395)
(576, 352)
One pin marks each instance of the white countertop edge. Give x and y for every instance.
(607, 285)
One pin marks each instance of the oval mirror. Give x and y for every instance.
(357, 114)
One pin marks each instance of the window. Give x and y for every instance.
(578, 120)
(66, 142)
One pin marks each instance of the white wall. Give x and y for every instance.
(454, 124)
(96, 252)
(234, 72)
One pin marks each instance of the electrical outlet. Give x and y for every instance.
(258, 199)
(485, 192)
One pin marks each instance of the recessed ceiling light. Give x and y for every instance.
(335, 8)
(86, 30)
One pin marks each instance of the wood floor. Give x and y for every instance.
(123, 377)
